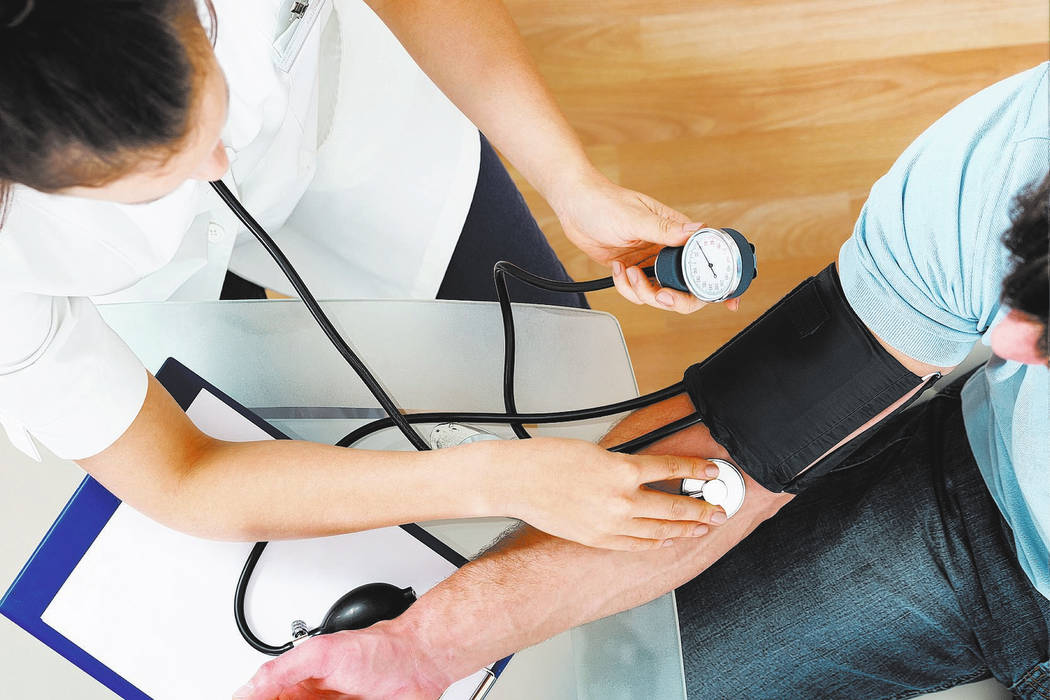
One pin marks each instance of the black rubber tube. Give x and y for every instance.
(499, 273)
(643, 441)
(506, 418)
(238, 606)
(404, 423)
(319, 315)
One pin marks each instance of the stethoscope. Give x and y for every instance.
(714, 265)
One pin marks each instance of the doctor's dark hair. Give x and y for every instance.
(1027, 287)
(90, 89)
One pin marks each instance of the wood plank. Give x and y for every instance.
(753, 100)
(772, 116)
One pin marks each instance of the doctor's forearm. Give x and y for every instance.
(473, 51)
(290, 489)
(166, 468)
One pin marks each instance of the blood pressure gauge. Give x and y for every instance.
(726, 489)
(715, 264)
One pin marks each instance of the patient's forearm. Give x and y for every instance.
(533, 586)
(536, 586)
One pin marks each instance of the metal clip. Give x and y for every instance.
(299, 8)
(300, 632)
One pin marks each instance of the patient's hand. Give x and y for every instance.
(384, 661)
(526, 589)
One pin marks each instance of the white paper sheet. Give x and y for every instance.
(156, 606)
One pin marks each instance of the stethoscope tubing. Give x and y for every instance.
(404, 422)
(504, 418)
(319, 315)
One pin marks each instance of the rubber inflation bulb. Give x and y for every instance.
(366, 605)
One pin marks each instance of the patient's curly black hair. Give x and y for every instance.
(1027, 287)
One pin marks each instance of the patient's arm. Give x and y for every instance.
(507, 583)
(530, 587)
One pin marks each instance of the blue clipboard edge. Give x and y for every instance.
(53, 561)
(83, 518)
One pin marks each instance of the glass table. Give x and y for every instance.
(432, 355)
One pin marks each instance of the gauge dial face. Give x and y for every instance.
(711, 265)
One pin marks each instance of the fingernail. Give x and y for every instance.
(633, 274)
(667, 543)
(719, 518)
(617, 268)
(693, 227)
(244, 691)
(700, 530)
(665, 298)
(712, 471)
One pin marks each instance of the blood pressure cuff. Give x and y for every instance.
(796, 382)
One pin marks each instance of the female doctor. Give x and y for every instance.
(114, 115)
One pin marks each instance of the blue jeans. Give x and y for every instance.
(894, 576)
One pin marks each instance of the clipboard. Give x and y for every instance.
(47, 598)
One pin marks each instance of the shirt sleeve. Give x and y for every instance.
(924, 266)
(66, 378)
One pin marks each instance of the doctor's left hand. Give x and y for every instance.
(624, 229)
(378, 663)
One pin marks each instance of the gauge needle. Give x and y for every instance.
(709, 263)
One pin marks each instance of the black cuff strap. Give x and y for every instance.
(794, 383)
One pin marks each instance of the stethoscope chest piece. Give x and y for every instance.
(454, 434)
(726, 490)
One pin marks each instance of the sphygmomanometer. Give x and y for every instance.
(778, 396)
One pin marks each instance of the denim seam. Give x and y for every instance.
(1038, 678)
(969, 677)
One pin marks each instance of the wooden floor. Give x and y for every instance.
(771, 116)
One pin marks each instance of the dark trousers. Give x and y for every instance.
(499, 226)
(894, 576)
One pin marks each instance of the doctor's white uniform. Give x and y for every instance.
(340, 146)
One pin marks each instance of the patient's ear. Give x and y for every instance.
(1017, 336)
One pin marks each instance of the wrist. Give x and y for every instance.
(483, 482)
(428, 640)
(564, 184)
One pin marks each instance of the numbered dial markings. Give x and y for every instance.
(711, 265)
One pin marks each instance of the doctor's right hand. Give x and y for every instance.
(578, 491)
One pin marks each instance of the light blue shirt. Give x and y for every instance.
(924, 270)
